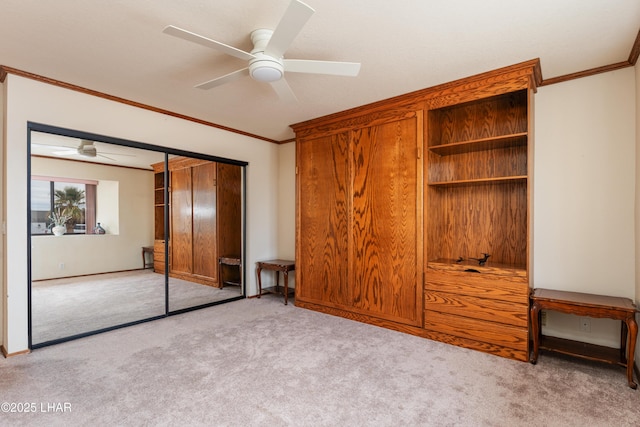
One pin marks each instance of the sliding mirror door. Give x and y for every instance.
(205, 232)
(116, 260)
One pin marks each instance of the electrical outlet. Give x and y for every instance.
(543, 318)
(585, 324)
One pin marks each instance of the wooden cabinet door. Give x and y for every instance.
(323, 218)
(205, 261)
(386, 230)
(229, 209)
(181, 243)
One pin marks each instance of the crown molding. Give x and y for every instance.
(631, 62)
(4, 71)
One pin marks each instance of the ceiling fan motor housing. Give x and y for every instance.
(87, 149)
(264, 68)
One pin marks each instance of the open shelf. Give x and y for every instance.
(492, 143)
(583, 350)
(450, 264)
(463, 182)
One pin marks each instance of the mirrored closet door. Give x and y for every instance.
(123, 233)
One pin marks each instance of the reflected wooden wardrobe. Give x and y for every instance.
(204, 218)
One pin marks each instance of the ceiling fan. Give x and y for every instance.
(266, 62)
(85, 149)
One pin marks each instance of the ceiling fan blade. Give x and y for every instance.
(224, 79)
(350, 69)
(116, 154)
(106, 157)
(37, 144)
(65, 152)
(294, 18)
(284, 91)
(204, 41)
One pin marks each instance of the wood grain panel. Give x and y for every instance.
(385, 229)
(508, 79)
(181, 221)
(480, 308)
(322, 258)
(521, 354)
(204, 239)
(485, 118)
(467, 221)
(229, 209)
(478, 330)
(158, 251)
(509, 289)
(502, 162)
(358, 122)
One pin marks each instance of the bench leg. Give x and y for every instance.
(535, 330)
(632, 328)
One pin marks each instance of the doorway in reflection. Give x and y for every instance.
(134, 248)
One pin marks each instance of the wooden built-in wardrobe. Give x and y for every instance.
(414, 213)
(204, 218)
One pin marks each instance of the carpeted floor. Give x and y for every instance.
(257, 362)
(70, 306)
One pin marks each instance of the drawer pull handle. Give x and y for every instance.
(471, 270)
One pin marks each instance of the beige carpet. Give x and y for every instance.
(257, 362)
(70, 306)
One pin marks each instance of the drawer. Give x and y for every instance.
(477, 330)
(158, 267)
(478, 308)
(158, 256)
(482, 285)
(158, 250)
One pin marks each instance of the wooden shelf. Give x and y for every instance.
(503, 141)
(277, 290)
(582, 350)
(481, 181)
(446, 264)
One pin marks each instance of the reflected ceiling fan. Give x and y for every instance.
(85, 149)
(265, 61)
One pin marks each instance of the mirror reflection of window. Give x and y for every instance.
(83, 282)
(71, 197)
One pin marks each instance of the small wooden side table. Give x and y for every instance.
(147, 250)
(589, 305)
(229, 260)
(277, 265)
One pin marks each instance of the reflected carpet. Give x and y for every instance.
(70, 306)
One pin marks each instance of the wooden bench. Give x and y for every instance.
(277, 265)
(589, 305)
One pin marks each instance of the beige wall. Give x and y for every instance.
(287, 188)
(29, 100)
(585, 168)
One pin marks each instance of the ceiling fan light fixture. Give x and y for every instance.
(266, 59)
(87, 149)
(266, 69)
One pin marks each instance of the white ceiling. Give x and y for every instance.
(117, 47)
